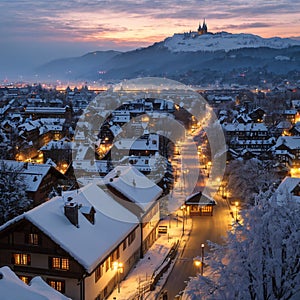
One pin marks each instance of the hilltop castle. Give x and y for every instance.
(200, 31)
(203, 29)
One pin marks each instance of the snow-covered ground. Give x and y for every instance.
(13, 288)
(224, 41)
(142, 273)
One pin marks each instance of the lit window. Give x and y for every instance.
(25, 279)
(21, 259)
(32, 239)
(58, 285)
(59, 263)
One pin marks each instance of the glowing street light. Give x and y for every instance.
(200, 263)
(197, 263)
(118, 266)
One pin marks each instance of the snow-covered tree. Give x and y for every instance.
(260, 260)
(247, 178)
(13, 198)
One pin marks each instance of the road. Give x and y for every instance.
(204, 228)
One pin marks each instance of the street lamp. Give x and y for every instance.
(118, 266)
(197, 263)
(202, 258)
(236, 211)
(183, 215)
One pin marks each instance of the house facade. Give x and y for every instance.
(73, 242)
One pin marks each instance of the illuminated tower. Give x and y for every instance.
(203, 29)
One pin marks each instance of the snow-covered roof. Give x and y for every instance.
(13, 288)
(134, 185)
(142, 163)
(284, 152)
(296, 103)
(285, 189)
(199, 199)
(115, 129)
(31, 173)
(150, 143)
(284, 125)
(88, 243)
(47, 110)
(63, 144)
(290, 112)
(95, 167)
(121, 118)
(292, 142)
(245, 127)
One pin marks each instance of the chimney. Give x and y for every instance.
(71, 212)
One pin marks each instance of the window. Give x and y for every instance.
(115, 255)
(107, 264)
(58, 285)
(25, 279)
(124, 245)
(131, 237)
(99, 272)
(32, 239)
(59, 263)
(21, 259)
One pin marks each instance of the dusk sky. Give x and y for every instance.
(34, 32)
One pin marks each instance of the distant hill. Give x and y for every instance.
(76, 67)
(189, 58)
(191, 42)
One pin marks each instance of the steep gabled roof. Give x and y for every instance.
(134, 185)
(88, 243)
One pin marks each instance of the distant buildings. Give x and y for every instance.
(39, 179)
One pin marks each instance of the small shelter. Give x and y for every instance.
(199, 204)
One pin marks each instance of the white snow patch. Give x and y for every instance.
(224, 41)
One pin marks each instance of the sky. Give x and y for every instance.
(37, 31)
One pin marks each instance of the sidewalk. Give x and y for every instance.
(135, 285)
(140, 276)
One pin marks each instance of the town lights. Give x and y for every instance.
(197, 263)
(118, 267)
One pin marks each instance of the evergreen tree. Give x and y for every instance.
(13, 198)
